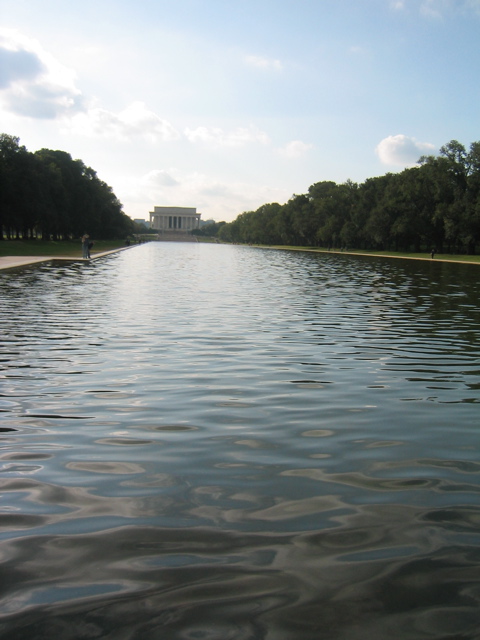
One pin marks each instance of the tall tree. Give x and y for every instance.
(12, 161)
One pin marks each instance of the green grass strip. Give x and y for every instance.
(67, 248)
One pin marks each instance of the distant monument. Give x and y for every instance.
(174, 220)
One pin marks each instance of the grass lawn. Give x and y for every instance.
(71, 248)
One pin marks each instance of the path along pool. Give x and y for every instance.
(224, 442)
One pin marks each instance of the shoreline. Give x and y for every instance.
(13, 262)
(366, 254)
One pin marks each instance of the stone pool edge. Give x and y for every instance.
(11, 262)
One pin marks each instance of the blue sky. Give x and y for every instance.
(225, 105)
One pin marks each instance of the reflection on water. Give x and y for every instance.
(223, 442)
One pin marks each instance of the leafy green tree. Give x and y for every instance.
(337, 213)
(302, 220)
(84, 203)
(13, 158)
(264, 227)
(472, 210)
(50, 194)
(209, 230)
(52, 203)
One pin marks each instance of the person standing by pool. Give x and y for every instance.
(85, 241)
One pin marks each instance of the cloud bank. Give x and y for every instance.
(134, 121)
(402, 151)
(32, 82)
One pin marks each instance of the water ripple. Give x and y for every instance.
(204, 441)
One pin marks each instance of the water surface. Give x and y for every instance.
(221, 442)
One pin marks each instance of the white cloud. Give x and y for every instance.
(295, 149)
(402, 151)
(159, 178)
(217, 137)
(260, 62)
(17, 65)
(32, 82)
(134, 121)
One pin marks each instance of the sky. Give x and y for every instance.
(226, 105)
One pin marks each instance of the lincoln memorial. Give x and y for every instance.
(174, 219)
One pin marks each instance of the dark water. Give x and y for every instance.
(214, 442)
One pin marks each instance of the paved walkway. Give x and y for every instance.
(10, 262)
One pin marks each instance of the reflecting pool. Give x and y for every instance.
(223, 442)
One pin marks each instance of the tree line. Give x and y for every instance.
(208, 230)
(47, 194)
(434, 205)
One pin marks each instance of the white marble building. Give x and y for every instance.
(174, 219)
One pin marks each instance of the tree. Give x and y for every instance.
(12, 162)
(50, 194)
(436, 204)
